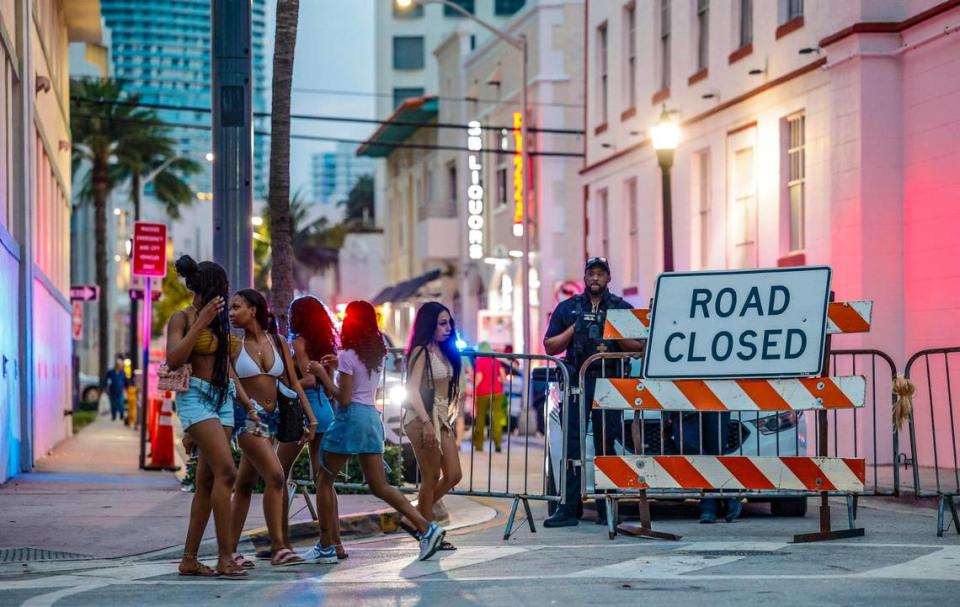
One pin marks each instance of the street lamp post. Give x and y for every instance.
(519, 43)
(666, 137)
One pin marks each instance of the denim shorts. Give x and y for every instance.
(269, 422)
(356, 428)
(322, 409)
(195, 405)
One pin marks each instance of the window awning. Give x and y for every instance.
(404, 290)
(419, 110)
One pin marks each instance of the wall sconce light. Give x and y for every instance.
(42, 84)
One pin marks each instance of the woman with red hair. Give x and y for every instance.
(357, 428)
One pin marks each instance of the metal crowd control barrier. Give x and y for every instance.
(743, 437)
(869, 432)
(934, 425)
(534, 387)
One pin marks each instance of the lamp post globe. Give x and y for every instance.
(665, 135)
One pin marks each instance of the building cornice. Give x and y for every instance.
(889, 27)
(716, 110)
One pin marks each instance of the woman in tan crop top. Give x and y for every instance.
(199, 336)
(433, 363)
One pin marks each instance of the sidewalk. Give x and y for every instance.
(89, 498)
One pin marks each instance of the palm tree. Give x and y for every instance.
(115, 139)
(278, 197)
(150, 157)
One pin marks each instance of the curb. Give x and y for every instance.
(352, 527)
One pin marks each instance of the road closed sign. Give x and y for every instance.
(738, 324)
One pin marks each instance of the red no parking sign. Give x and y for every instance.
(149, 249)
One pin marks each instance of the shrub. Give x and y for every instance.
(351, 474)
(82, 419)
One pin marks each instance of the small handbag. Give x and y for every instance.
(290, 423)
(428, 389)
(174, 381)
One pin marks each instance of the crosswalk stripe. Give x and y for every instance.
(407, 568)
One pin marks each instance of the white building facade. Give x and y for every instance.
(813, 132)
(488, 302)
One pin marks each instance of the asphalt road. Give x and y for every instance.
(900, 561)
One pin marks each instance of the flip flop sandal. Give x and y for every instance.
(232, 571)
(341, 553)
(445, 545)
(242, 562)
(200, 570)
(286, 558)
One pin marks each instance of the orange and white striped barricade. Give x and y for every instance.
(718, 342)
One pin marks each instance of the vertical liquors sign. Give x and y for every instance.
(474, 190)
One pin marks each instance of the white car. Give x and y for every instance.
(762, 434)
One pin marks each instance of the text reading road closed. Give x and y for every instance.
(759, 323)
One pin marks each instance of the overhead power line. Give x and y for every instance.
(435, 125)
(346, 93)
(412, 146)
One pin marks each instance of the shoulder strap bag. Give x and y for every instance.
(291, 420)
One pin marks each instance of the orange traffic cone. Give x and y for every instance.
(161, 449)
(153, 416)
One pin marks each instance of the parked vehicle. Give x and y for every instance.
(782, 433)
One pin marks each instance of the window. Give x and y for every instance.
(746, 23)
(633, 233)
(452, 183)
(796, 176)
(466, 5)
(602, 70)
(408, 52)
(703, 34)
(794, 9)
(743, 210)
(410, 12)
(664, 44)
(702, 191)
(501, 187)
(401, 94)
(603, 211)
(507, 7)
(6, 144)
(630, 46)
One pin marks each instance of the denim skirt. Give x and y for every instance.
(197, 405)
(322, 409)
(356, 429)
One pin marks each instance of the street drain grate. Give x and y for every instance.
(734, 553)
(24, 555)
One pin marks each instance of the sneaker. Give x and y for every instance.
(734, 508)
(320, 555)
(431, 540)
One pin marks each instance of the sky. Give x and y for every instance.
(334, 52)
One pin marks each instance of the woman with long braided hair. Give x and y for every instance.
(199, 335)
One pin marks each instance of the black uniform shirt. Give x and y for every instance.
(566, 314)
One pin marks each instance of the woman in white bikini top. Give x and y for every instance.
(259, 368)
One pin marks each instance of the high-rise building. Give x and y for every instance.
(333, 174)
(161, 50)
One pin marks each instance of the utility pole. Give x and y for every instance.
(232, 71)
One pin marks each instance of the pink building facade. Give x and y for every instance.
(813, 132)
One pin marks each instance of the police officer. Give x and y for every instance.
(577, 328)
